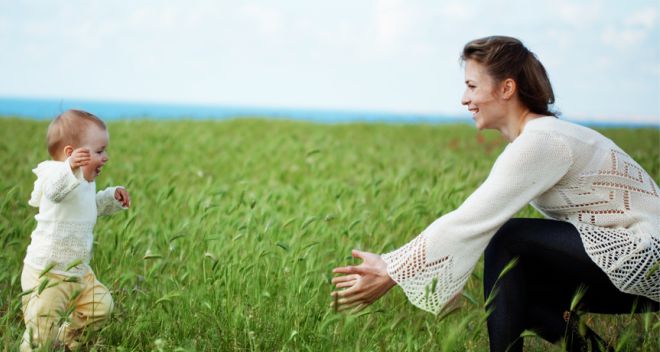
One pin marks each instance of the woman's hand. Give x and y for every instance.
(363, 284)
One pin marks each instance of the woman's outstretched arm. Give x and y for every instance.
(433, 268)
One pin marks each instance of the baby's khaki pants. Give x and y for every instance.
(58, 314)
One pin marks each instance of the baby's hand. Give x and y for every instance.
(79, 157)
(121, 195)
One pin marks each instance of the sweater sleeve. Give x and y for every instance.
(106, 204)
(434, 267)
(55, 180)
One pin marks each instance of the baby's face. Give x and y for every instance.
(96, 140)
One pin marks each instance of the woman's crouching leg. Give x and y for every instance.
(504, 294)
(552, 265)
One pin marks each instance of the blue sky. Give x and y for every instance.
(603, 57)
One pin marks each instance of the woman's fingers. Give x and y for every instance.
(345, 281)
(345, 292)
(345, 284)
(342, 304)
(347, 295)
(338, 279)
(358, 253)
(359, 270)
(353, 291)
(339, 307)
(351, 300)
(349, 270)
(337, 299)
(355, 307)
(359, 307)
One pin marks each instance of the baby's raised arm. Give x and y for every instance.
(54, 181)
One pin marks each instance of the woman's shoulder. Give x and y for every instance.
(537, 142)
(553, 124)
(572, 133)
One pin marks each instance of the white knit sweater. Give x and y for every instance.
(567, 172)
(68, 208)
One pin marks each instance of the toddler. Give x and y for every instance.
(61, 293)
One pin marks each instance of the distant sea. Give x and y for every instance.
(118, 110)
(46, 109)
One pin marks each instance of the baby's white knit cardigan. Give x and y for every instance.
(68, 208)
(567, 172)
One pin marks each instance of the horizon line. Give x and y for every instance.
(274, 111)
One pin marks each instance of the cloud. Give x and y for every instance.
(393, 21)
(633, 30)
(269, 21)
(457, 11)
(578, 14)
(644, 18)
(651, 68)
(622, 38)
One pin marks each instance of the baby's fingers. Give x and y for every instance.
(121, 195)
(81, 154)
(77, 162)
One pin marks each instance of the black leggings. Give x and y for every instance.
(536, 293)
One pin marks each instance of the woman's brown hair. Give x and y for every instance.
(507, 57)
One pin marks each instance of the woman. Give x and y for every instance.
(602, 235)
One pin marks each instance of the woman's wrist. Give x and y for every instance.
(383, 268)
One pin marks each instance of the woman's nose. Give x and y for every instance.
(464, 99)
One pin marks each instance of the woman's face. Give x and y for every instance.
(481, 97)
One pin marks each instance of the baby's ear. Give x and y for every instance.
(68, 150)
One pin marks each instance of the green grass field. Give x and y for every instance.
(236, 225)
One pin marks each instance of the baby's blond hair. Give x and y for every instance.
(68, 129)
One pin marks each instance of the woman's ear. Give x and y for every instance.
(508, 88)
(68, 150)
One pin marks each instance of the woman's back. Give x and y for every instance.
(612, 202)
(604, 186)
